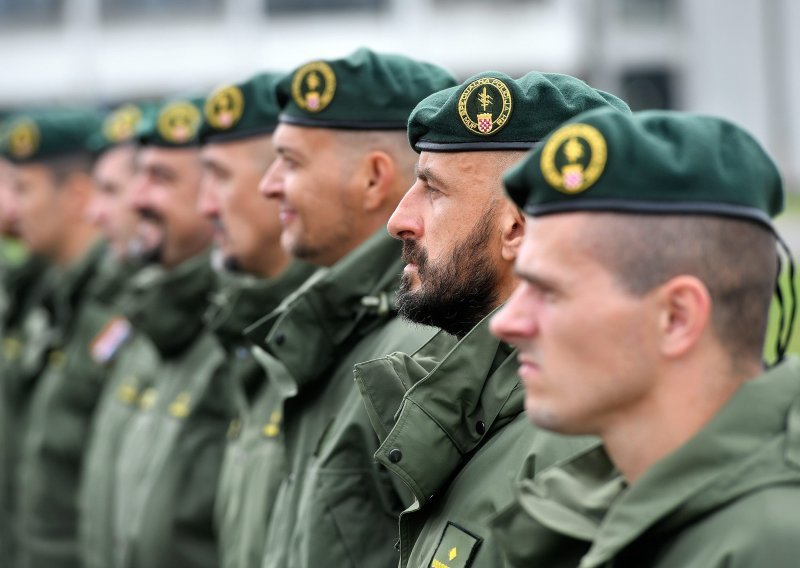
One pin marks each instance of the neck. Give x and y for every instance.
(273, 263)
(673, 412)
(75, 243)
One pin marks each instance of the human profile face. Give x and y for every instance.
(8, 202)
(165, 191)
(245, 224)
(43, 209)
(585, 345)
(110, 208)
(317, 201)
(448, 222)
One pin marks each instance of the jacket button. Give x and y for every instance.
(395, 455)
(480, 427)
(280, 338)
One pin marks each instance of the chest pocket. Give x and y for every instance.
(456, 549)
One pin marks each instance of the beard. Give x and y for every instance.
(456, 294)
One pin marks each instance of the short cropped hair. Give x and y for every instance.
(736, 259)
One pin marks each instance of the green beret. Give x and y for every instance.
(174, 124)
(651, 162)
(49, 133)
(492, 111)
(120, 126)
(243, 110)
(365, 91)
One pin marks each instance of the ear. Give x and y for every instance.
(379, 175)
(512, 223)
(77, 189)
(685, 315)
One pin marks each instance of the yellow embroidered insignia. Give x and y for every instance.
(148, 398)
(234, 428)
(456, 549)
(178, 122)
(57, 359)
(121, 124)
(313, 86)
(12, 348)
(224, 107)
(23, 139)
(179, 407)
(128, 391)
(273, 427)
(574, 158)
(485, 105)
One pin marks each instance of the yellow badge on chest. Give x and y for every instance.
(456, 549)
(180, 407)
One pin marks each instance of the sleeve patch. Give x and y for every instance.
(456, 549)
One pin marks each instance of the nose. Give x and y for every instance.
(139, 193)
(405, 222)
(516, 320)
(271, 185)
(208, 200)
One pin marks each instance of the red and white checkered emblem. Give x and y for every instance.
(485, 122)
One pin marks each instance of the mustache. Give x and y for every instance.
(150, 214)
(415, 254)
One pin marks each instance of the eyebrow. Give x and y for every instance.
(534, 279)
(426, 174)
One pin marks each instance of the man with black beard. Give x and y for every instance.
(450, 416)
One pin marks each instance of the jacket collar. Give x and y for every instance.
(167, 305)
(240, 299)
(747, 445)
(333, 309)
(67, 287)
(436, 407)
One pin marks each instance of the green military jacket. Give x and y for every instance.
(336, 506)
(61, 409)
(167, 468)
(452, 427)
(254, 461)
(728, 498)
(20, 364)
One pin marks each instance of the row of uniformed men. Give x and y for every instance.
(166, 403)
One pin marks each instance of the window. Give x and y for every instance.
(303, 6)
(30, 11)
(113, 9)
(648, 88)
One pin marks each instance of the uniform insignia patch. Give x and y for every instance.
(178, 122)
(106, 343)
(456, 549)
(180, 407)
(148, 398)
(57, 359)
(224, 107)
(23, 139)
(313, 86)
(485, 106)
(574, 158)
(128, 391)
(121, 125)
(273, 427)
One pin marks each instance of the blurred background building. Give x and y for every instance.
(735, 58)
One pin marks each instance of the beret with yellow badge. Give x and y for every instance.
(43, 134)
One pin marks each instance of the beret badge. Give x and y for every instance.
(313, 86)
(574, 158)
(224, 108)
(23, 139)
(179, 122)
(122, 124)
(485, 105)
